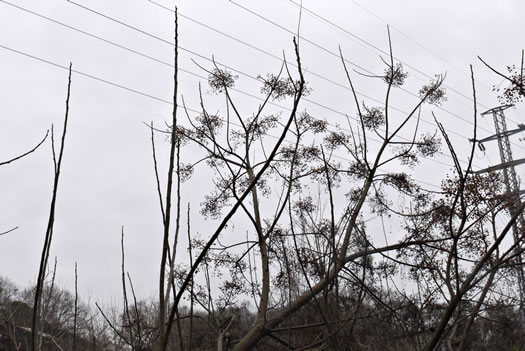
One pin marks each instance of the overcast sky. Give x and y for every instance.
(108, 180)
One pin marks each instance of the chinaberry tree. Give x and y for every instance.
(306, 260)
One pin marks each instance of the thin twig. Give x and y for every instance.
(27, 153)
(9, 231)
(75, 311)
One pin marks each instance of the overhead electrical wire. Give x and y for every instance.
(365, 43)
(310, 72)
(253, 47)
(181, 48)
(336, 55)
(135, 91)
(120, 86)
(169, 64)
(418, 43)
(163, 62)
(270, 55)
(245, 74)
(221, 33)
(266, 53)
(85, 74)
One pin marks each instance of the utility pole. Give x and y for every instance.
(512, 186)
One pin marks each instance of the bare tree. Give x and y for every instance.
(49, 229)
(302, 256)
(307, 258)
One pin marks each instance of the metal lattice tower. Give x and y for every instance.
(513, 188)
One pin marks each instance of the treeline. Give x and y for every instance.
(390, 321)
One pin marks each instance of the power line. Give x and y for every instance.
(85, 74)
(248, 75)
(365, 43)
(418, 43)
(313, 73)
(370, 45)
(267, 53)
(335, 54)
(206, 58)
(262, 51)
(183, 70)
(192, 52)
(123, 47)
(126, 48)
(155, 59)
(120, 86)
(163, 62)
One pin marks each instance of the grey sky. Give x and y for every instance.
(108, 180)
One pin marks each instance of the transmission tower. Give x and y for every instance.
(512, 186)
